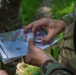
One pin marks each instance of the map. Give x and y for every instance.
(14, 44)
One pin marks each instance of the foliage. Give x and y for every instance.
(62, 7)
(31, 70)
(29, 9)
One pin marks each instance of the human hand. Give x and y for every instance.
(2, 72)
(36, 56)
(53, 28)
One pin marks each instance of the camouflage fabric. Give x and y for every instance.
(67, 53)
(55, 69)
(68, 18)
(10, 19)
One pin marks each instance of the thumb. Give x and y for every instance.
(30, 42)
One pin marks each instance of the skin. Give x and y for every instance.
(2, 72)
(36, 56)
(53, 27)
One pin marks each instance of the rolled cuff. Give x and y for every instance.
(68, 18)
(54, 69)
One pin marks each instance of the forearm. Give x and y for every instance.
(65, 20)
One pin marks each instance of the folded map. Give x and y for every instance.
(14, 44)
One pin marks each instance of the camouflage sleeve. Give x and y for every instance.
(68, 18)
(50, 68)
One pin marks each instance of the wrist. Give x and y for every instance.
(44, 60)
(47, 57)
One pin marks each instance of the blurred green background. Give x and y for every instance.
(59, 9)
(29, 9)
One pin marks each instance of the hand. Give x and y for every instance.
(53, 27)
(2, 72)
(36, 56)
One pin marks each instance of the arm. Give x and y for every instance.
(38, 57)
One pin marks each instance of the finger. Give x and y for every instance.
(38, 24)
(31, 46)
(26, 28)
(28, 58)
(47, 39)
(34, 29)
(31, 42)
